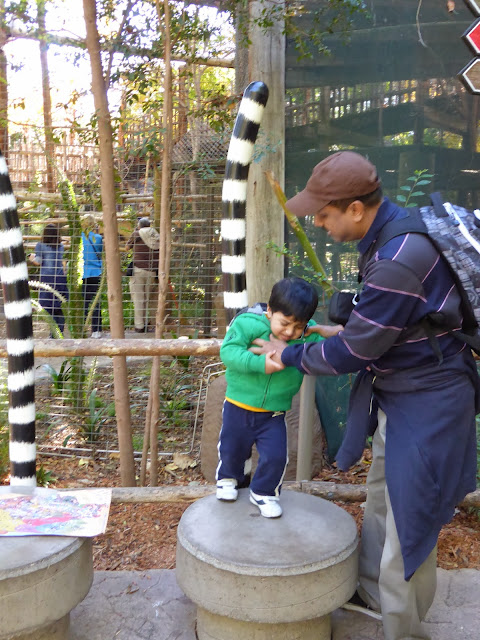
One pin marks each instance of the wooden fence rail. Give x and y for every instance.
(326, 490)
(69, 348)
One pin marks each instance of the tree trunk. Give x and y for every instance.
(165, 214)
(112, 250)
(47, 99)
(265, 219)
(165, 243)
(3, 84)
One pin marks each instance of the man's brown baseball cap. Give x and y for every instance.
(342, 175)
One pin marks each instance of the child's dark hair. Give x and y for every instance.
(294, 297)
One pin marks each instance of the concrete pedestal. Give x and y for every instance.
(253, 578)
(42, 578)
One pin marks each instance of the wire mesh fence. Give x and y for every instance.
(90, 429)
(75, 395)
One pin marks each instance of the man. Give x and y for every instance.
(421, 411)
(145, 242)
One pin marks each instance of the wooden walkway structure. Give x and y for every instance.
(389, 90)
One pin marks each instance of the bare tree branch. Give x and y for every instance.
(114, 47)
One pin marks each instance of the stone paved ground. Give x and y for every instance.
(131, 605)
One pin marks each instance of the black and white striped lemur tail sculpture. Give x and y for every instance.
(18, 314)
(234, 196)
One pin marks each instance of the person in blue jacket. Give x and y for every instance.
(49, 256)
(420, 410)
(92, 243)
(258, 395)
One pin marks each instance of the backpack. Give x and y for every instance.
(455, 233)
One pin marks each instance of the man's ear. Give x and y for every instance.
(269, 312)
(357, 210)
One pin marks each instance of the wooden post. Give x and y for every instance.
(305, 429)
(265, 219)
(112, 251)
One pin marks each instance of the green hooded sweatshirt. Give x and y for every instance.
(247, 381)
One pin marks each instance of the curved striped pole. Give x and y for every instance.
(234, 196)
(18, 314)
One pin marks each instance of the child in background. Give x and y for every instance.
(258, 394)
(49, 256)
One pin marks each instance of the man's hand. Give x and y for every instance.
(273, 360)
(267, 346)
(325, 330)
(273, 363)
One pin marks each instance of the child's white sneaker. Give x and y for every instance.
(227, 489)
(269, 505)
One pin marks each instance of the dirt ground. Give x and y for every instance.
(143, 536)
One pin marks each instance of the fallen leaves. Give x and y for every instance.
(181, 462)
(144, 536)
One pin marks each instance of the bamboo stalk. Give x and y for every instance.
(301, 235)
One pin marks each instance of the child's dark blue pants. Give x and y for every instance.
(240, 430)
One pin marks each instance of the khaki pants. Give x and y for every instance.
(142, 290)
(381, 573)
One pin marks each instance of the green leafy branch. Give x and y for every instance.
(420, 177)
(296, 261)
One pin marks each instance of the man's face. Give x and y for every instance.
(342, 226)
(285, 327)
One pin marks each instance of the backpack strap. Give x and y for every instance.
(413, 223)
(473, 341)
(99, 255)
(437, 203)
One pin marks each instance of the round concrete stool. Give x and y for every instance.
(254, 578)
(42, 578)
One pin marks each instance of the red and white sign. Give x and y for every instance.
(470, 75)
(472, 37)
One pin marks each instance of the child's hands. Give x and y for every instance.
(273, 362)
(325, 330)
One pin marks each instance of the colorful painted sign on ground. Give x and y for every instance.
(80, 513)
